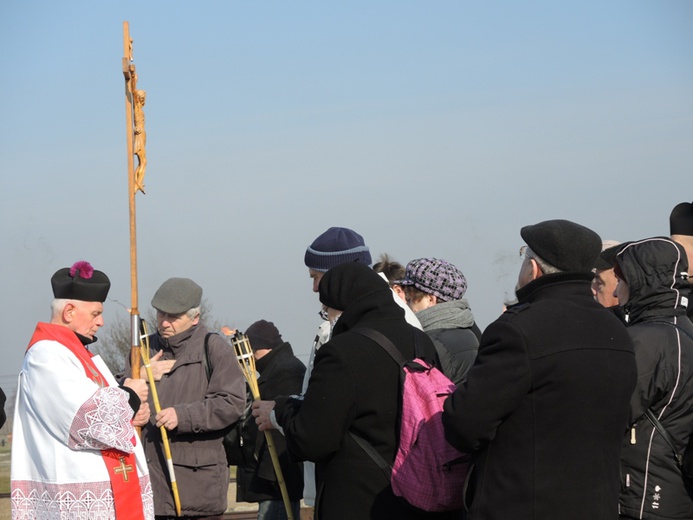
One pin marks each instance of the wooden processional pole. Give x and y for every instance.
(136, 142)
(134, 121)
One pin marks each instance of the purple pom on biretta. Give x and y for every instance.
(84, 269)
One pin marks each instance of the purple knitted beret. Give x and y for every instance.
(436, 277)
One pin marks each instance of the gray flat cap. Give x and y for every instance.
(177, 295)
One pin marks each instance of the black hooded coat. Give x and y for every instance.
(354, 387)
(652, 485)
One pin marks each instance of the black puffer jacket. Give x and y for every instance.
(654, 270)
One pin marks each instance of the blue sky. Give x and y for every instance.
(432, 128)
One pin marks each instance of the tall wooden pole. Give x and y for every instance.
(130, 86)
(136, 140)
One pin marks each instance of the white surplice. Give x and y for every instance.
(62, 420)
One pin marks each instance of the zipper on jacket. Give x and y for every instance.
(632, 434)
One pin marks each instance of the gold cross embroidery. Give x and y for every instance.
(124, 468)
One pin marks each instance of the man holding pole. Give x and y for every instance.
(75, 453)
(280, 373)
(195, 408)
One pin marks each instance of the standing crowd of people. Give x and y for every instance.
(573, 404)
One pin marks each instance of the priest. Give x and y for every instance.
(75, 453)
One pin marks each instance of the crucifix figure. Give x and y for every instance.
(139, 97)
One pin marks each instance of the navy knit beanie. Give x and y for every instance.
(336, 246)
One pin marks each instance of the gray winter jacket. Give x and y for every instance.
(204, 409)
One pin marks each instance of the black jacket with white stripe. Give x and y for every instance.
(655, 271)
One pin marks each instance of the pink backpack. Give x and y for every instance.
(428, 472)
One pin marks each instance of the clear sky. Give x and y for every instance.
(433, 128)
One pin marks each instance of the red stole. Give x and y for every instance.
(122, 467)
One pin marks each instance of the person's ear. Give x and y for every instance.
(536, 270)
(433, 299)
(68, 312)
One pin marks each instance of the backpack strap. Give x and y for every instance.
(206, 360)
(383, 341)
(390, 348)
(387, 345)
(373, 453)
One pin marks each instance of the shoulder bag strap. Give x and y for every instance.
(205, 360)
(396, 355)
(665, 434)
(651, 416)
(383, 341)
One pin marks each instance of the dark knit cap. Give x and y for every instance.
(80, 282)
(263, 334)
(606, 258)
(564, 244)
(437, 277)
(681, 219)
(177, 295)
(336, 246)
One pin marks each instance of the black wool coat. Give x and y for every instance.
(354, 387)
(545, 406)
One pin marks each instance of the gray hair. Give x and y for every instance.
(546, 268)
(57, 306)
(194, 312)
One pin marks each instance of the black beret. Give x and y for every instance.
(80, 282)
(566, 245)
(681, 219)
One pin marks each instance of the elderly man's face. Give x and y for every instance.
(169, 325)
(85, 317)
(603, 287)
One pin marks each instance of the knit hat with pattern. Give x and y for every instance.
(436, 277)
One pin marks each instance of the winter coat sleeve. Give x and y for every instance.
(315, 427)
(495, 386)
(655, 373)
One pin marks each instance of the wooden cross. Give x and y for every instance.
(124, 469)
